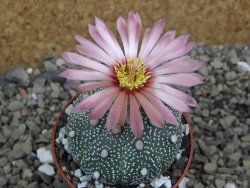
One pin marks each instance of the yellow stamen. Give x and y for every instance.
(132, 73)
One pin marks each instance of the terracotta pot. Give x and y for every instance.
(55, 128)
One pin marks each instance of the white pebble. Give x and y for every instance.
(78, 173)
(230, 185)
(144, 172)
(158, 182)
(64, 141)
(69, 109)
(57, 140)
(94, 122)
(86, 178)
(142, 185)
(104, 153)
(34, 96)
(66, 147)
(186, 129)
(47, 169)
(183, 183)
(139, 145)
(243, 66)
(82, 185)
(44, 156)
(63, 130)
(61, 136)
(71, 134)
(96, 175)
(98, 184)
(174, 138)
(60, 62)
(29, 70)
(178, 156)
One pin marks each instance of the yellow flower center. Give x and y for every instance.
(131, 73)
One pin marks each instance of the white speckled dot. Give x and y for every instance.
(144, 171)
(71, 134)
(104, 153)
(94, 122)
(96, 175)
(174, 139)
(139, 145)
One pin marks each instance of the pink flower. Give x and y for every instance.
(132, 77)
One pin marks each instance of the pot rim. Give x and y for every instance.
(65, 178)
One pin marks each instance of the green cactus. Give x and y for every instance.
(121, 158)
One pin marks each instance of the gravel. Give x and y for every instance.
(30, 102)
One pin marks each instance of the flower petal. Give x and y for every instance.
(115, 111)
(93, 100)
(124, 112)
(153, 38)
(165, 40)
(181, 79)
(102, 42)
(154, 115)
(134, 33)
(174, 54)
(89, 49)
(100, 109)
(166, 113)
(190, 101)
(179, 65)
(86, 62)
(169, 99)
(109, 37)
(136, 122)
(144, 41)
(93, 85)
(84, 75)
(123, 31)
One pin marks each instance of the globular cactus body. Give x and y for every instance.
(122, 158)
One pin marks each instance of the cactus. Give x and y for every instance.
(122, 158)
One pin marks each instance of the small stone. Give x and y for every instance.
(117, 129)
(141, 185)
(46, 169)
(246, 164)
(174, 138)
(64, 141)
(144, 172)
(15, 105)
(71, 134)
(178, 156)
(230, 185)
(236, 156)
(78, 173)
(96, 175)
(198, 185)
(94, 122)
(245, 138)
(50, 66)
(139, 145)
(227, 120)
(29, 70)
(219, 183)
(45, 156)
(86, 178)
(18, 75)
(33, 185)
(210, 167)
(68, 110)
(27, 173)
(104, 153)
(183, 183)
(82, 184)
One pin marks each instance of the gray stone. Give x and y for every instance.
(210, 167)
(245, 138)
(15, 105)
(198, 185)
(236, 156)
(207, 150)
(19, 75)
(3, 161)
(246, 164)
(50, 66)
(33, 185)
(217, 64)
(27, 173)
(219, 183)
(227, 121)
(3, 181)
